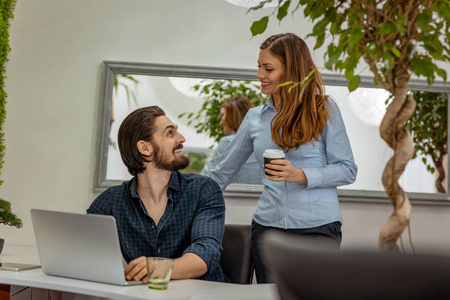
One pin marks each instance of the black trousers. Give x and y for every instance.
(330, 233)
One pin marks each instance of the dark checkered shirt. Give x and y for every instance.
(192, 222)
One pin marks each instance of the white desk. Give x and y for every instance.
(178, 289)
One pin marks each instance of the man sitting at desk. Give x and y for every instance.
(160, 211)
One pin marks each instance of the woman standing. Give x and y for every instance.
(232, 113)
(300, 195)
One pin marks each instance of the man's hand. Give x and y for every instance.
(137, 269)
(283, 170)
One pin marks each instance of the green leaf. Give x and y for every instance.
(354, 83)
(401, 18)
(319, 28)
(256, 7)
(401, 29)
(423, 20)
(260, 26)
(349, 74)
(319, 42)
(443, 9)
(355, 38)
(389, 62)
(331, 61)
(442, 73)
(388, 46)
(285, 83)
(352, 61)
(335, 27)
(396, 52)
(423, 67)
(282, 10)
(319, 8)
(373, 47)
(387, 28)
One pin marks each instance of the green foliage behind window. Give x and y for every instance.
(198, 161)
(428, 126)
(214, 94)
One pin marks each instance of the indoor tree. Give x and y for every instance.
(397, 39)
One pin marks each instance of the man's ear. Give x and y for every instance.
(145, 148)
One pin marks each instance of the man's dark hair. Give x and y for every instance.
(139, 125)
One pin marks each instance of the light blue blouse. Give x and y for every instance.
(250, 173)
(327, 163)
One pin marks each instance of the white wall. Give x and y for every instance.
(362, 223)
(54, 78)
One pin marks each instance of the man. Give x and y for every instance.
(162, 212)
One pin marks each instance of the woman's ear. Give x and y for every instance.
(145, 148)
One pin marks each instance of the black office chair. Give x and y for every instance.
(304, 271)
(236, 260)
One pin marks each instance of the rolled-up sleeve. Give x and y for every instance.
(208, 225)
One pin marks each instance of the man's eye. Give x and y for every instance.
(269, 70)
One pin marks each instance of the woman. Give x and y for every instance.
(232, 113)
(300, 196)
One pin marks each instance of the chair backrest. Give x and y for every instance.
(236, 260)
(302, 271)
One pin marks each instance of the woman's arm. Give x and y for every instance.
(341, 168)
(212, 163)
(234, 156)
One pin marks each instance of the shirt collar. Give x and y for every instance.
(268, 105)
(174, 183)
(133, 191)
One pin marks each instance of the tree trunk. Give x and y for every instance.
(441, 173)
(394, 133)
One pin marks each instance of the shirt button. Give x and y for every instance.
(153, 226)
(159, 250)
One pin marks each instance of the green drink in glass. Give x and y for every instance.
(159, 271)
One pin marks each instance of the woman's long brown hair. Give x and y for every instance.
(236, 108)
(301, 116)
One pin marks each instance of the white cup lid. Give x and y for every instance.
(273, 153)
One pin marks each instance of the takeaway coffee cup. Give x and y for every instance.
(271, 154)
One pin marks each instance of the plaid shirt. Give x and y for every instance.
(193, 221)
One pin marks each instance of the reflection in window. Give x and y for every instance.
(153, 90)
(362, 111)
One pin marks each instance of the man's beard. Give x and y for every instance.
(162, 162)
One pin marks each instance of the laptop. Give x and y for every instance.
(79, 246)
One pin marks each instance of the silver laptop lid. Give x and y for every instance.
(79, 246)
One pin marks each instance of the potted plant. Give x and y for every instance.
(6, 13)
(7, 217)
(397, 39)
